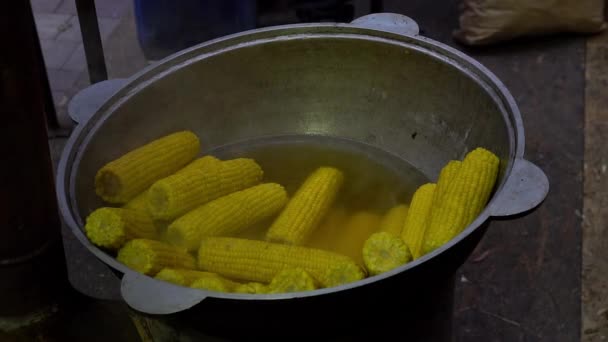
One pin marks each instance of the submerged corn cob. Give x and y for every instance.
(122, 179)
(177, 194)
(180, 276)
(384, 251)
(353, 234)
(464, 198)
(329, 230)
(252, 288)
(227, 215)
(307, 208)
(150, 256)
(394, 219)
(112, 227)
(215, 283)
(260, 261)
(417, 219)
(292, 280)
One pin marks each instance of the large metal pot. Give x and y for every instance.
(375, 81)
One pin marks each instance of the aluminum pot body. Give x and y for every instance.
(374, 81)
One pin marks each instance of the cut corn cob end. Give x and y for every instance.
(150, 256)
(112, 227)
(159, 197)
(343, 273)
(394, 219)
(252, 288)
(292, 280)
(105, 228)
(384, 251)
(307, 207)
(108, 185)
(183, 277)
(183, 236)
(122, 179)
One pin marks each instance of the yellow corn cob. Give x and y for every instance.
(394, 219)
(227, 215)
(353, 234)
(150, 256)
(122, 179)
(199, 164)
(173, 195)
(489, 164)
(260, 261)
(112, 227)
(384, 251)
(464, 198)
(445, 179)
(251, 288)
(215, 283)
(238, 174)
(140, 202)
(177, 194)
(307, 208)
(292, 280)
(183, 277)
(417, 219)
(329, 230)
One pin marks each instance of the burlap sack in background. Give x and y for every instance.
(489, 21)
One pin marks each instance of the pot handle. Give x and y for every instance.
(391, 22)
(525, 189)
(157, 297)
(88, 101)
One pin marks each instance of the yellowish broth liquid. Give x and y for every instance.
(374, 181)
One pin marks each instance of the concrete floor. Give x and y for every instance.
(62, 49)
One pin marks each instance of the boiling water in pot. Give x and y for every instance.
(374, 180)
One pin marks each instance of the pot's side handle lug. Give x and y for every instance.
(525, 189)
(157, 297)
(391, 22)
(87, 101)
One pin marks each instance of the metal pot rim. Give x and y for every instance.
(444, 53)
